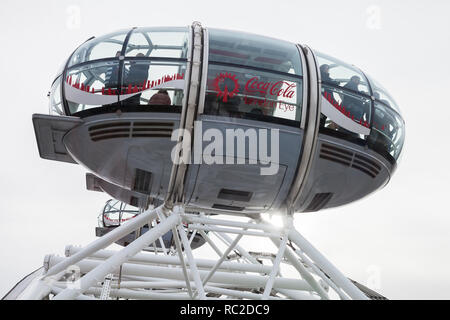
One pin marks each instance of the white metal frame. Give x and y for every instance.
(177, 273)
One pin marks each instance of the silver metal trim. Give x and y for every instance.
(305, 86)
(188, 115)
(205, 66)
(311, 133)
(168, 200)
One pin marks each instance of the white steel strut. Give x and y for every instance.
(293, 270)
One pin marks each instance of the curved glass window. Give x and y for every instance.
(340, 74)
(349, 105)
(346, 95)
(149, 83)
(115, 213)
(144, 83)
(346, 103)
(61, 68)
(158, 42)
(55, 103)
(107, 46)
(380, 94)
(253, 77)
(245, 49)
(388, 131)
(151, 73)
(92, 85)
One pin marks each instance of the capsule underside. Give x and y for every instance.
(114, 107)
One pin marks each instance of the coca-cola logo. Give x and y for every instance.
(280, 88)
(221, 83)
(227, 86)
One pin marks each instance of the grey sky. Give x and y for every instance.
(401, 232)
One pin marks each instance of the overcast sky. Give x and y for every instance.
(399, 236)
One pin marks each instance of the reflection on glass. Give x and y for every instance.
(337, 73)
(380, 94)
(388, 131)
(158, 42)
(92, 85)
(243, 92)
(143, 83)
(153, 83)
(108, 46)
(254, 51)
(346, 88)
(351, 105)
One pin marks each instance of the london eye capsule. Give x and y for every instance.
(301, 131)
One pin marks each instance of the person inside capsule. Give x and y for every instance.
(160, 98)
(352, 104)
(327, 92)
(256, 81)
(136, 77)
(112, 76)
(352, 99)
(378, 97)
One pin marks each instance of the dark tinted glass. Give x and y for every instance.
(254, 51)
(388, 131)
(254, 77)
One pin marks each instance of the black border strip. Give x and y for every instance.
(121, 64)
(111, 109)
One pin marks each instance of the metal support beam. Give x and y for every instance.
(275, 268)
(144, 295)
(231, 279)
(120, 257)
(231, 230)
(106, 240)
(220, 261)
(210, 242)
(148, 275)
(224, 237)
(302, 270)
(192, 264)
(326, 266)
(148, 258)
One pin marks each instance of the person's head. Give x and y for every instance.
(324, 69)
(139, 55)
(355, 80)
(160, 98)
